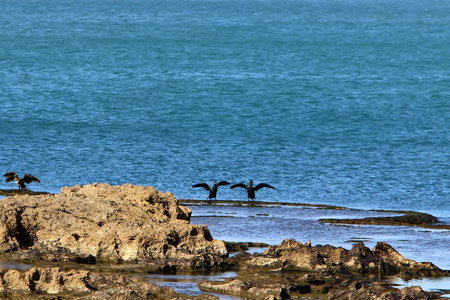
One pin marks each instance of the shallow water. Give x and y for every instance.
(273, 224)
(14, 265)
(427, 284)
(187, 284)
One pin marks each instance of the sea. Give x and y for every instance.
(338, 102)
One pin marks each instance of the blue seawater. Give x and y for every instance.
(342, 102)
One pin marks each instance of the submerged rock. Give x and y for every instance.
(100, 222)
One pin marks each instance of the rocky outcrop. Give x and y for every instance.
(383, 259)
(100, 222)
(148, 229)
(293, 270)
(77, 283)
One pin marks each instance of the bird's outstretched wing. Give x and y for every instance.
(9, 176)
(223, 183)
(28, 178)
(261, 185)
(242, 185)
(203, 185)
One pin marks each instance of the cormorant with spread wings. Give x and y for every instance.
(212, 190)
(28, 178)
(250, 188)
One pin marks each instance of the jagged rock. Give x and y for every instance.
(100, 222)
(408, 267)
(298, 255)
(76, 283)
(293, 270)
(382, 259)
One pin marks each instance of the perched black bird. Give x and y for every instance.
(250, 189)
(28, 178)
(212, 190)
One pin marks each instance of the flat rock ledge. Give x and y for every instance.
(102, 223)
(409, 218)
(293, 270)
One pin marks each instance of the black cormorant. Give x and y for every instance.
(28, 178)
(212, 190)
(250, 189)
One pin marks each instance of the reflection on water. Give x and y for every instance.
(14, 265)
(441, 284)
(187, 284)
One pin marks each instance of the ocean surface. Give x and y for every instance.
(343, 102)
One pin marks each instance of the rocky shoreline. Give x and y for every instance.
(139, 230)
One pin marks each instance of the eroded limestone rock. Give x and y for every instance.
(293, 270)
(77, 283)
(383, 259)
(101, 222)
